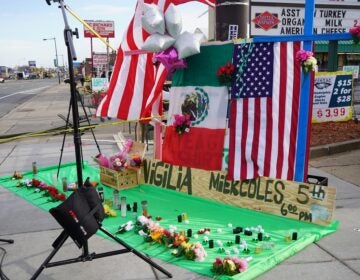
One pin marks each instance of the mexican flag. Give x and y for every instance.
(196, 94)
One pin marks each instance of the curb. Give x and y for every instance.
(335, 148)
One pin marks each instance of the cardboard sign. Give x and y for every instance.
(332, 99)
(299, 201)
(99, 84)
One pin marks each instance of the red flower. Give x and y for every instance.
(225, 73)
(36, 183)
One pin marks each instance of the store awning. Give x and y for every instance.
(347, 46)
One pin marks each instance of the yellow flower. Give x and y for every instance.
(156, 233)
(108, 211)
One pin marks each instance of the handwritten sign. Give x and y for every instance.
(300, 201)
(99, 84)
(332, 97)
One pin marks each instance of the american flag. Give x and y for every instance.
(264, 113)
(136, 83)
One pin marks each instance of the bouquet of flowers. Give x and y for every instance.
(225, 73)
(182, 123)
(355, 33)
(191, 251)
(48, 191)
(229, 266)
(307, 60)
(153, 232)
(118, 162)
(122, 160)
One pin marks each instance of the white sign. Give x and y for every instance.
(289, 20)
(352, 68)
(99, 84)
(332, 97)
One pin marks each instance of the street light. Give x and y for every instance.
(57, 60)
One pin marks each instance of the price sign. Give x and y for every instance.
(332, 97)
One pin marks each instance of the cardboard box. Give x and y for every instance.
(127, 178)
(119, 179)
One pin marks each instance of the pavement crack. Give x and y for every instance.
(339, 260)
(8, 155)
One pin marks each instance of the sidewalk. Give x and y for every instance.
(334, 257)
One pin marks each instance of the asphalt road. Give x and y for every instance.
(15, 92)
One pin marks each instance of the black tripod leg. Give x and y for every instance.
(7, 240)
(64, 137)
(137, 253)
(89, 123)
(57, 245)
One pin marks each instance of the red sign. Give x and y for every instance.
(103, 28)
(266, 20)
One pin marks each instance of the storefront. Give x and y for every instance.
(348, 54)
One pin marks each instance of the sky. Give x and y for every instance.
(25, 23)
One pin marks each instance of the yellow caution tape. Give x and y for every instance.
(89, 27)
(59, 131)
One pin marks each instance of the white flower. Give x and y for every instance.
(219, 243)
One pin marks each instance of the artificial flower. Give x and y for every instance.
(108, 211)
(182, 123)
(191, 251)
(355, 33)
(307, 60)
(229, 266)
(17, 175)
(225, 73)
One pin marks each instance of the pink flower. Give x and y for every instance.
(355, 30)
(301, 55)
(217, 262)
(182, 123)
(241, 264)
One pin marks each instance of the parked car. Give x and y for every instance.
(2, 80)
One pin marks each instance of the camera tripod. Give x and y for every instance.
(86, 256)
(10, 241)
(60, 240)
(69, 124)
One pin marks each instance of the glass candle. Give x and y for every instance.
(34, 168)
(123, 206)
(144, 205)
(116, 199)
(64, 183)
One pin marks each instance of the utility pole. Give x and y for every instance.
(56, 57)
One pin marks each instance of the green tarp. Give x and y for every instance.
(202, 213)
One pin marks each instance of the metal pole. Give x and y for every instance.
(92, 58)
(57, 60)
